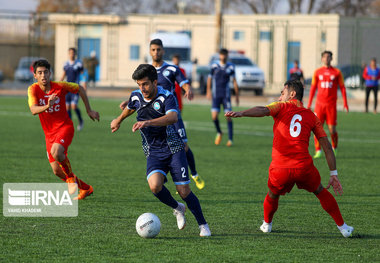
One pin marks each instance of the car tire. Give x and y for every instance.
(258, 92)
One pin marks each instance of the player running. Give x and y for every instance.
(157, 111)
(47, 99)
(326, 79)
(291, 162)
(219, 80)
(72, 71)
(167, 76)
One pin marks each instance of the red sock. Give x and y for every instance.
(334, 140)
(330, 205)
(82, 185)
(316, 143)
(270, 207)
(66, 168)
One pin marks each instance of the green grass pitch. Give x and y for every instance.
(232, 200)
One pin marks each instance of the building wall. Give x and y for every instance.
(263, 38)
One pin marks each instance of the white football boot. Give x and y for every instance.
(266, 227)
(179, 212)
(346, 230)
(205, 230)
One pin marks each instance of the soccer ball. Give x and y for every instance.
(148, 225)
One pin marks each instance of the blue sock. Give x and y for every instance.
(230, 130)
(69, 112)
(191, 161)
(165, 197)
(195, 208)
(77, 111)
(217, 126)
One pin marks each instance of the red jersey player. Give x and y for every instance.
(326, 79)
(291, 161)
(47, 99)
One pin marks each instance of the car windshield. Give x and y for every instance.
(241, 61)
(184, 53)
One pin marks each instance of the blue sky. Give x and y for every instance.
(21, 5)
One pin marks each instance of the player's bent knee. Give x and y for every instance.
(183, 190)
(155, 188)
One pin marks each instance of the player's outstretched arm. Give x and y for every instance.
(115, 124)
(259, 111)
(35, 109)
(208, 88)
(92, 114)
(331, 161)
(168, 119)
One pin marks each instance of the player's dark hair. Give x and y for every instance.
(157, 42)
(177, 56)
(373, 59)
(73, 49)
(296, 61)
(295, 85)
(223, 51)
(327, 52)
(145, 70)
(41, 63)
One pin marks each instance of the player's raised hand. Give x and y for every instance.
(52, 99)
(335, 183)
(189, 94)
(115, 125)
(233, 114)
(123, 105)
(139, 125)
(94, 115)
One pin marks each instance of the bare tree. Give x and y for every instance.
(345, 7)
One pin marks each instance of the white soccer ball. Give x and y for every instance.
(148, 225)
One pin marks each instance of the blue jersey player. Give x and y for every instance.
(219, 90)
(72, 70)
(157, 111)
(167, 76)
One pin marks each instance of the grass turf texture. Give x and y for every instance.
(232, 199)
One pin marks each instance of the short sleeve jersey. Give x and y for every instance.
(168, 75)
(221, 75)
(327, 79)
(156, 140)
(73, 70)
(291, 133)
(296, 74)
(56, 116)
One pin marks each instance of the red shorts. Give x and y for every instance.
(326, 112)
(282, 180)
(63, 136)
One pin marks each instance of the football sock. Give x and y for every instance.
(195, 208)
(66, 167)
(77, 111)
(82, 185)
(217, 126)
(165, 197)
(270, 207)
(334, 140)
(316, 143)
(230, 130)
(69, 112)
(330, 205)
(191, 161)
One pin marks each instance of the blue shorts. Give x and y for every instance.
(176, 164)
(72, 98)
(216, 102)
(180, 128)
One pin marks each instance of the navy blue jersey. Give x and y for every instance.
(159, 140)
(221, 76)
(73, 70)
(168, 75)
